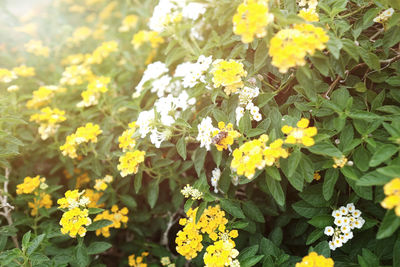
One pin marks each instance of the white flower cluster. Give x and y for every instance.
(189, 191)
(152, 72)
(168, 109)
(384, 16)
(216, 175)
(246, 96)
(346, 219)
(170, 11)
(193, 73)
(206, 130)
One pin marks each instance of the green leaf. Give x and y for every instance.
(373, 178)
(325, 149)
(396, 254)
(35, 244)
(98, 247)
(382, 154)
(334, 45)
(128, 201)
(245, 123)
(273, 172)
(137, 183)
(389, 225)
(364, 115)
(293, 162)
(253, 212)
(260, 55)
(25, 240)
(95, 210)
(264, 98)
(330, 179)
(99, 224)
(370, 59)
(391, 171)
(322, 248)
(81, 255)
(248, 252)
(199, 156)
(181, 147)
(219, 115)
(314, 236)
(152, 194)
(232, 208)
(251, 261)
(200, 210)
(321, 221)
(276, 191)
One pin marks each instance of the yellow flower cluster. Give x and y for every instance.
(41, 201)
(228, 73)
(339, 162)
(85, 134)
(91, 95)
(30, 184)
(94, 198)
(129, 162)
(102, 52)
(392, 199)
(212, 222)
(251, 18)
(49, 120)
(289, 47)
(225, 136)
(81, 179)
(309, 13)
(116, 216)
(43, 96)
(301, 135)
(255, 154)
(166, 261)
(24, 71)
(76, 75)
(317, 176)
(37, 48)
(7, 76)
(76, 217)
(189, 191)
(126, 140)
(137, 261)
(80, 34)
(315, 260)
(102, 184)
(147, 36)
(128, 23)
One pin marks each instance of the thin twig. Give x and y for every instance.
(331, 87)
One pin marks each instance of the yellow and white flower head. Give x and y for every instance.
(384, 16)
(347, 218)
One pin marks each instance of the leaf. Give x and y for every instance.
(129, 201)
(248, 252)
(321, 221)
(330, 179)
(245, 123)
(364, 115)
(391, 171)
(81, 255)
(306, 210)
(181, 147)
(232, 208)
(260, 55)
(293, 162)
(253, 212)
(314, 236)
(219, 115)
(264, 98)
(350, 48)
(198, 158)
(25, 240)
(334, 45)
(273, 172)
(382, 154)
(276, 191)
(373, 178)
(98, 247)
(95, 210)
(370, 59)
(325, 149)
(35, 244)
(251, 261)
(99, 224)
(200, 211)
(389, 225)
(137, 183)
(152, 194)
(322, 248)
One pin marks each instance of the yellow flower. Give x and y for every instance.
(289, 47)
(94, 198)
(24, 71)
(43, 96)
(251, 18)
(44, 200)
(29, 185)
(102, 52)
(301, 135)
(137, 261)
(225, 136)
(147, 36)
(309, 15)
(37, 48)
(317, 176)
(76, 75)
(126, 140)
(129, 162)
(95, 88)
(73, 222)
(339, 162)
(315, 260)
(7, 76)
(116, 216)
(48, 119)
(221, 253)
(73, 199)
(80, 34)
(228, 74)
(392, 192)
(128, 23)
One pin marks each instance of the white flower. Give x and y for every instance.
(145, 121)
(13, 88)
(84, 201)
(216, 174)
(161, 85)
(336, 214)
(257, 117)
(193, 11)
(343, 210)
(239, 114)
(329, 230)
(343, 238)
(157, 137)
(359, 223)
(350, 207)
(345, 229)
(152, 71)
(338, 221)
(254, 110)
(349, 235)
(346, 220)
(332, 245)
(356, 213)
(205, 129)
(338, 242)
(192, 73)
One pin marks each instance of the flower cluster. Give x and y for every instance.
(166, 261)
(315, 260)
(224, 136)
(339, 162)
(309, 10)
(7, 76)
(41, 200)
(24, 71)
(85, 134)
(384, 16)
(81, 178)
(144, 36)
(37, 48)
(35, 185)
(228, 73)
(213, 223)
(30, 184)
(43, 96)
(102, 184)
(49, 120)
(300, 135)
(392, 199)
(346, 219)
(289, 47)
(216, 175)
(255, 154)
(76, 216)
(76, 75)
(116, 216)
(126, 140)
(94, 198)
(189, 191)
(128, 23)
(91, 95)
(80, 34)
(137, 261)
(246, 97)
(193, 73)
(251, 19)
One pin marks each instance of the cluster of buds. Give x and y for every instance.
(189, 191)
